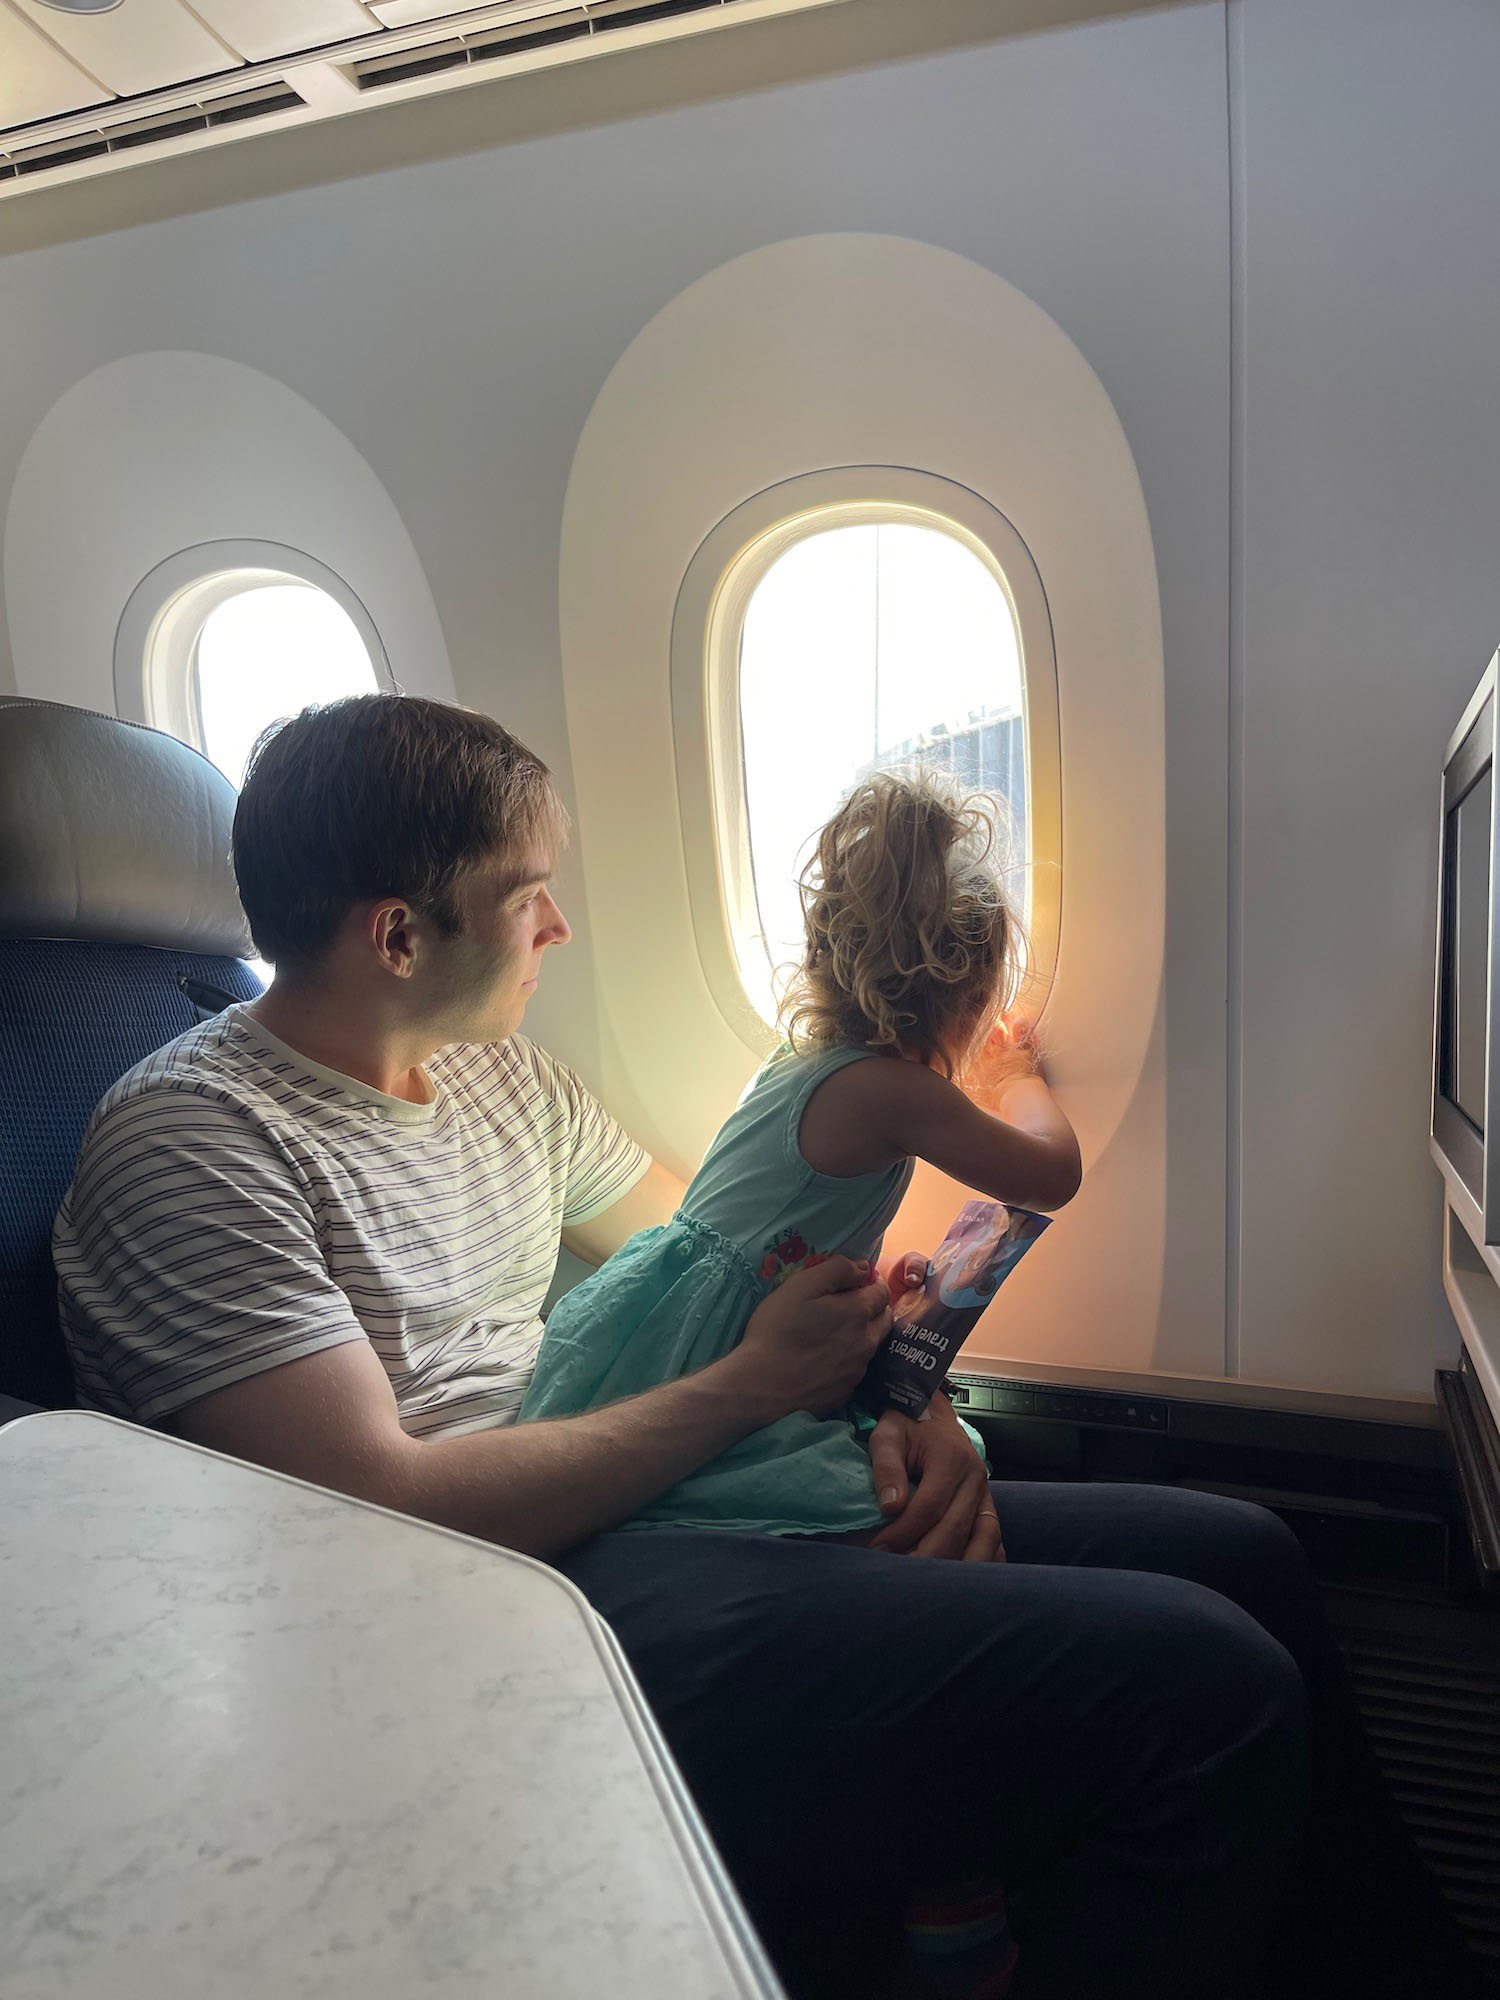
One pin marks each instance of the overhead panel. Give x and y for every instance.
(144, 45)
(36, 78)
(408, 13)
(261, 30)
(200, 72)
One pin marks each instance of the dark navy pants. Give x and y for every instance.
(1138, 1723)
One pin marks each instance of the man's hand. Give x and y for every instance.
(808, 1345)
(951, 1512)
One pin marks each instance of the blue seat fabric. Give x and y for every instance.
(73, 1018)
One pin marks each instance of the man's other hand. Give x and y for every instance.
(808, 1345)
(950, 1511)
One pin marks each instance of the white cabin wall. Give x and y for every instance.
(1369, 605)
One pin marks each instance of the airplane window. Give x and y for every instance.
(874, 647)
(266, 652)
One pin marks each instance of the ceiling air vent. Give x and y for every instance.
(542, 31)
(407, 63)
(122, 135)
(252, 104)
(152, 131)
(635, 13)
(62, 153)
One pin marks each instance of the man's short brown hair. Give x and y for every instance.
(381, 795)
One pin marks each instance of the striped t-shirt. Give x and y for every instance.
(236, 1206)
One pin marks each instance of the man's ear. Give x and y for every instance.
(392, 930)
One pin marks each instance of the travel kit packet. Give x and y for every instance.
(983, 1246)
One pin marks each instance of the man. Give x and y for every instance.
(316, 1232)
(378, 1244)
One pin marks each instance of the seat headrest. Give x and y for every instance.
(113, 833)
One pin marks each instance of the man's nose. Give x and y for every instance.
(555, 927)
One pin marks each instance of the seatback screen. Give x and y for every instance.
(1465, 1077)
(1464, 1036)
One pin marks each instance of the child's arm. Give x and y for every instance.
(1008, 1139)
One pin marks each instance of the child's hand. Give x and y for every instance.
(1011, 1051)
(1015, 1038)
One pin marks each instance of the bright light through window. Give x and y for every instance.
(267, 652)
(863, 649)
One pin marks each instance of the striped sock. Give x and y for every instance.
(960, 1942)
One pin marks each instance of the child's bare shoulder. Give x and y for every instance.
(857, 1120)
(881, 1078)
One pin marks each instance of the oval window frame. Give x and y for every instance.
(156, 641)
(708, 619)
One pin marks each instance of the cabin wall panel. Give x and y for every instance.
(1371, 455)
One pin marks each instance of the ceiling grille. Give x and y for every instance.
(125, 134)
(332, 80)
(491, 45)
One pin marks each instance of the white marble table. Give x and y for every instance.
(259, 1740)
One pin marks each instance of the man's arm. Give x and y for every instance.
(542, 1488)
(598, 1218)
(655, 1198)
(191, 1267)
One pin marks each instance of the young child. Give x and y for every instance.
(910, 960)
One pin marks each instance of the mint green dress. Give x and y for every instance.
(678, 1297)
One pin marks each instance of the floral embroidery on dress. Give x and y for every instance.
(787, 1253)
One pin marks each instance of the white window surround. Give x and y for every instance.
(859, 350)
(157, 636)
(160, 452)
(723, 576)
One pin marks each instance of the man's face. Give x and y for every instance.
(490, 970)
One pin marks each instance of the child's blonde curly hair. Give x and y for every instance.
(911, 943)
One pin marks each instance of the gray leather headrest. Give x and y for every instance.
(114, 833)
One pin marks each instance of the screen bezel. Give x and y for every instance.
(1462, 1146)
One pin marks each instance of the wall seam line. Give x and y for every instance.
(1235, 790)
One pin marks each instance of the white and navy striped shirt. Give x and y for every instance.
(237, 1206)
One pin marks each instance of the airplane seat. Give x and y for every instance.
(120, 927)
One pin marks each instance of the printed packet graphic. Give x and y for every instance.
(983, 1246)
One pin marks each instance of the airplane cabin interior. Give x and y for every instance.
(1088, 407)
